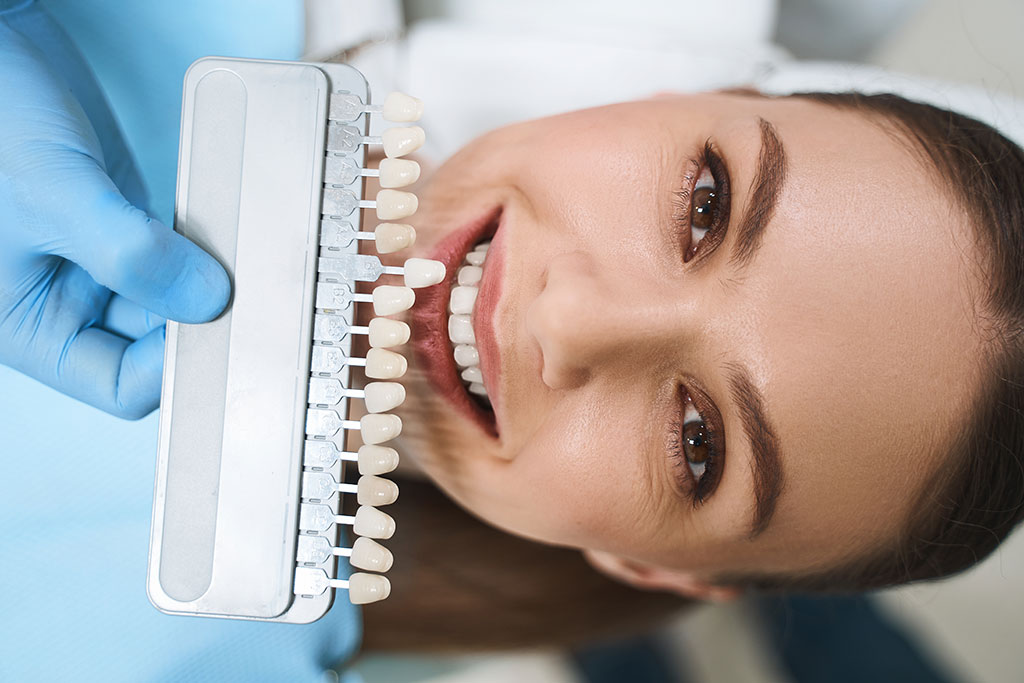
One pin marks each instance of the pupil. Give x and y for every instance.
(705, 200)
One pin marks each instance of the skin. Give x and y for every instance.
(856, 319)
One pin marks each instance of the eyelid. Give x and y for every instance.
(711, 157)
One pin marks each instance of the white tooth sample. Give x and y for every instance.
(383, 396)
(470, 275)
(369, 555)
(379, 427)
(375, 491)
(476, 258)
(466, 355)
(398, 172)
(391, 237)
(473, 374)
(385, 332)
(478, 389)
(423, 272)
(393, 204)
(388, 299)
(373, 523)
(460, 329)
(400, 141)
(366, 588)
(384, 364)
(462, 299)
(401, 108)
(377, 459)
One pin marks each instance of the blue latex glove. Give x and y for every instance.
(86, 277)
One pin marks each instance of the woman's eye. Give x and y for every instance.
(703, 207)
(697, 448)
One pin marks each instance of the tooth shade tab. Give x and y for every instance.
(376, 428)
(392, 237)
(388, 300)
(398, 108)
(401, 108)
(372, 523)
(322, 455)
(385, 333)
(397, 142)
(384, 364)
(337, 233)
(380, 397)
(394, 204)
(362, 588)
(397, 172)
(375, 491)
(370, 555)
(377, 459)
(400, 141)
(318, 487)
(422, 272)
(368, 521)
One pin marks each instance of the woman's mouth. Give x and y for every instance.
(453, 336)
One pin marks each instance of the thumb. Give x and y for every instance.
(134, 255)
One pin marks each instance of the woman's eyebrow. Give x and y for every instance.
(764, 194)
(766, 463)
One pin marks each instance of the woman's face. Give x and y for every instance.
(777, 323)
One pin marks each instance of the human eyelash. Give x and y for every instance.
(683, 215)
(696, 490)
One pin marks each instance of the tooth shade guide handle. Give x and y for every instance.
(397, 107)
(363, 588)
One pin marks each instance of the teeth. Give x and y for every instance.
(478, 389)
(462, 299)
(379, 427)
(367, 588)
(370, 555)
(388, 299)
(376, 491)
(470, 275)
(483, 246)
(384, 364)
(398, 172)
(401, 108)
(392, 204)
(383, 396)
(385, 332)
(466, 355)
(377, 459)
(373, 523)
(400, 141)
(423, 272)
(392, 237)
(473, 374)
(476, 258)
(460, 329)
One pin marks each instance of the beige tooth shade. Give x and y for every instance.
(392, 237)
(379, 427)
(402, 140)
(398, 172)
(394, 204)
(381, 397)
(385, 333)
(367, 588)
(369, 555)
(373, 523)
(384, 364)
(377, 459)
(423, 272)
(401, 108)
(388, 299)
(376, 491)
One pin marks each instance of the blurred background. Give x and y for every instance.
(969, 628)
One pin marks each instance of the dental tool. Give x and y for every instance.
(256, 419)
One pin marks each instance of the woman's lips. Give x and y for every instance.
(429, 320)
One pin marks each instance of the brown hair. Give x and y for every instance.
(460, 584)
(969, 505)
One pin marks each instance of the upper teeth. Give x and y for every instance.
(460, 322)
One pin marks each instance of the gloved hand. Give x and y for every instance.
(86, 277)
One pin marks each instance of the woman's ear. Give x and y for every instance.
(650, 577)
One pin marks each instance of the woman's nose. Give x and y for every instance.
(585, 315)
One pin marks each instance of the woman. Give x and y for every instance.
(725, 341)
